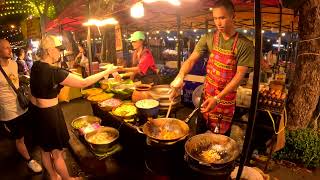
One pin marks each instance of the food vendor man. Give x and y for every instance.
(231, 54)
(144, 67)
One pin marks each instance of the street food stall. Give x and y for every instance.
(130, 131)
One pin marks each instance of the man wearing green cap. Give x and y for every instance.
(144, 68)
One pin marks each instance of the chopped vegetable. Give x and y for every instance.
(110, 102)
(81, 123)
(100, 97)
(91, 91)
(125, 110)
(101, 138)
(210, 155)
(147, 103)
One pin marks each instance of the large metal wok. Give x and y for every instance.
(196, 95)
(167, 129)
(112, 136)
(226, 148)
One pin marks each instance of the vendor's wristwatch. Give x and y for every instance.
(217, 99)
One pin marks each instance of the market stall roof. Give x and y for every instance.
(163, 16)
(70, 19)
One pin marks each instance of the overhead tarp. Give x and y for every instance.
(70, 19)
(163, 16)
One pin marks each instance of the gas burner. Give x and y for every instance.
(163, 161)
(216, 171)
(155, 143)
(151, 143)
(109, 152)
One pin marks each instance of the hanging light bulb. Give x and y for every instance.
(137, 10)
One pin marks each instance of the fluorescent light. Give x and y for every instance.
(96, 22)
(109, 21)
(173, 2)
(277, 45)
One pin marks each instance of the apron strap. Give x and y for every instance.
(235, 42)
(216, 39)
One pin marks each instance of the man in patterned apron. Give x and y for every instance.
(231, 54)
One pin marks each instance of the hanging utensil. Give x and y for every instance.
(217, 128)
(191, 114)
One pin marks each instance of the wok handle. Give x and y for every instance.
(139, 130)
(191, 115)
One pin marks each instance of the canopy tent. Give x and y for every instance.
(70, 19)
(163, 16)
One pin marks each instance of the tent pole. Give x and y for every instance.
(89, 41)
(280, 34)
(255, 90)
(179, 40)
(207, 25)
(61, 34)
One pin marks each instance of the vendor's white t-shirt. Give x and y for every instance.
(84, 61)
(9, 106)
